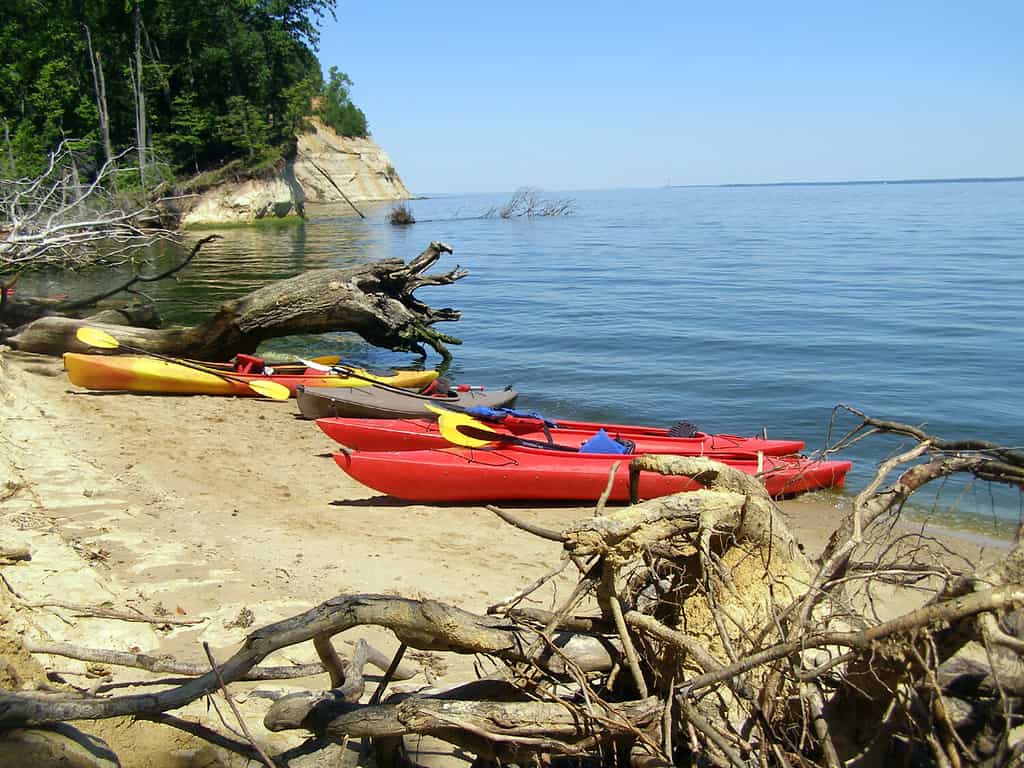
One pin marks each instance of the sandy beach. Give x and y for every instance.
(215, 508)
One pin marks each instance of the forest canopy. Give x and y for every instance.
(194, 83)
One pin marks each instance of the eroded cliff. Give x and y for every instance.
(326, 168)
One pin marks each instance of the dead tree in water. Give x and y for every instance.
(698, 633)
(374, 300)
(52, 221)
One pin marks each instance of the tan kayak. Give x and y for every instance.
(380, 403)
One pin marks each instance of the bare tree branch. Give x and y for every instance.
(47, 226)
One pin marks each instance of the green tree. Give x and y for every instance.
(220, 80)
(188, 130)
(244, 129)
(298, 104)
(337, 110)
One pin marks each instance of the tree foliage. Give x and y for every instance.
(337, 110)
(221, 80)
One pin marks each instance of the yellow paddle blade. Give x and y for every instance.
(94, 337)
(448, 423)
(327, 359)
(270, 389)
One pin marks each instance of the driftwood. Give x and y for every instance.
(374, 300)
(426, 625)
(113, 613)
(170, 665)
(712, 640)
(505, 730)
(53, 221)
(234, 708)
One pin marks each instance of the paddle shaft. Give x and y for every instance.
(341, 369)
(485, 434)
(290, 367)
(186, 364)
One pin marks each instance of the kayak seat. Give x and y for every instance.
(683, 429)
(249, 364)
(441, 389)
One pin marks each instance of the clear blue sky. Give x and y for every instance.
(472, 97)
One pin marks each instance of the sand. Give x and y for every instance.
(210, 507)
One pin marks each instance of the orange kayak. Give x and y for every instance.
(137, 373)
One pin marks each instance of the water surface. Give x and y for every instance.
(736, 308)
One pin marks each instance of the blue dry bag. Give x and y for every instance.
(602, 442)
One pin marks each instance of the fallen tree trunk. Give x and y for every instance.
(374, 300)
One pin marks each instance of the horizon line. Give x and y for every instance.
(735, 184)
(949, 180)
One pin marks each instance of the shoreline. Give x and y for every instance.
(212, 507)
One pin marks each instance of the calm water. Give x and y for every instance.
(733, 308)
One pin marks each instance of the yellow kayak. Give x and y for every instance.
(136, 373)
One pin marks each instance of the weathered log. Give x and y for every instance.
(314, 710)
(352, 687)
(19, 313)
(426, 625)
(510, 727)
(374, 300)
(333, 663)
(301, 710)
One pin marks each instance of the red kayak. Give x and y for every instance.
(420, 434)
(533, 474)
